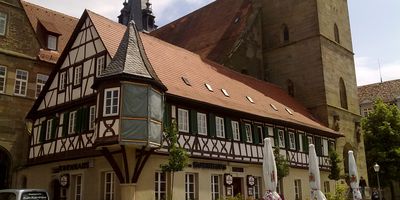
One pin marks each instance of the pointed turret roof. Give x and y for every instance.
(131, 58)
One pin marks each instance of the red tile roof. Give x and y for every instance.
(210, 31)
(387, 91)
(55, 22)
(171, 63)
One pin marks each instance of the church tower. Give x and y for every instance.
(308, 51)
(139, 11)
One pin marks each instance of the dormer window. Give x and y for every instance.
(52, 42)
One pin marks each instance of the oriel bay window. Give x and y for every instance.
(111, 102)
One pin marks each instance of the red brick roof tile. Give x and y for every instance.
(387, 91)
(171, 63)
(55, 21)
(210, 31)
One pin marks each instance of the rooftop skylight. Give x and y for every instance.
(250, 99)
(208, 86)
(225, 92)
(273, 107)
(186, 81)
(289, 111)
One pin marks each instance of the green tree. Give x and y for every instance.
(178, 157)
(335, 169)
(382, 142)
(282, 167)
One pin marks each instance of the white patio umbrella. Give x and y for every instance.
(269, 172)
(353, 175)
(314, 175)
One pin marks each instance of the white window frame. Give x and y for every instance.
(78, 75)
(20, 83)
(92, 117)
(220, 127)
(158, 191)
(183, 120)
(109, 185)
(327, 187)
(52, 42)
(249, 135)
(4, 81)
(3, 19)
(111, 113)
(202, 123)
(298, 193)
(216, 187)
(257, 188)
(325, 147)
(49, 127)
(188, 193)
(292, 141)
(301, 148)
(78, 196)
(72, 122)
(100, 65)
(281, 138)
(63, 80)
(235, 130)
(40, 82)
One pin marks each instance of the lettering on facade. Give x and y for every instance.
(209, 166)
(75, 166)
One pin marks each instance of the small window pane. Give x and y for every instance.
(3, 23)
(52, 42)
(183, 120)
(21, 82)
(3, 77)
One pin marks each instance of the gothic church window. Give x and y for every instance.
(343, 94)
(336, 32)
(285, 33)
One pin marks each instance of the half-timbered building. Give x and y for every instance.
(98, 127)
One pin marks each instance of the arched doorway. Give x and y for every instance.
(5, 166)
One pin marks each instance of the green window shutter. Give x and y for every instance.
(78, 120)
(211, 125)
(85, 119)
(65, 124)
(228, 128)
(167, 115)
(297, 136)
(276, 137)
(287, 141)
(266, 133)
(54, 128)
(318, 146)
(42, 136)
(243, 136)
(256, 135)
(193, 122)
(305, 143)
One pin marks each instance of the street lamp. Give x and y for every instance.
(376, 169)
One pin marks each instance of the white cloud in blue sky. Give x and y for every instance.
(374, 24)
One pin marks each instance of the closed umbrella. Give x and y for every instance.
(314, 175)
(353, 175)
(269, 172)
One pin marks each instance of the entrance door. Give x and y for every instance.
(5, 165)
(55, 189)
(237, 186)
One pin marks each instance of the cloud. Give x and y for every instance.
(367, 70)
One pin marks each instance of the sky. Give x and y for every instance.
(375, 28)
